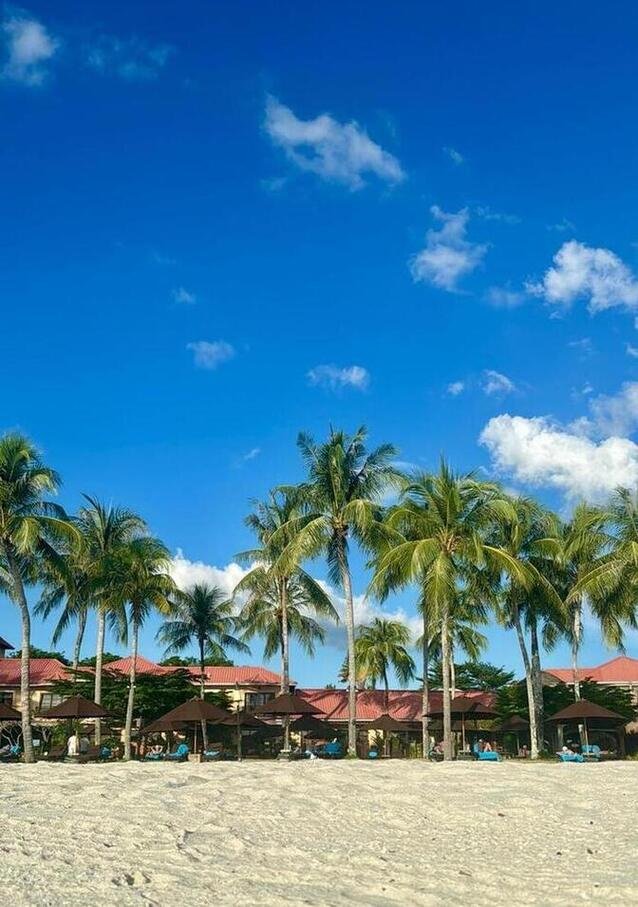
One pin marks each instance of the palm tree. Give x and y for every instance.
(611, 582)
(527, 533)
(439, 543)
(380, 647)
(203, 617)
(104, 531)
(30, 526)
(341, 498)
(139, 578)
(281, 596)
(71, 592)
(576, 546)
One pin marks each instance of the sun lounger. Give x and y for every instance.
(570, 757)
(332, 750)
(591, 752)
(180, 754)
(211, 755)
(489, 756)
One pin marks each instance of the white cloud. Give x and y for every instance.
(27, 48)
(496, 384)
(455, 156)
(631, 351)
(617, 414)
(334, 378)
(338, 152)
(131, 59)
(563, 226)
(539, 453)
(584, 344)
(456, 388)
(583, 272)
(186, 573)
(209, 355)
(365, 610)
(447, 255)
(184, 296)
(247, 457)
(505, 298)
(486, 213)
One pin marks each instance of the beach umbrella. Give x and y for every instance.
(241, 719)
(76, 708)
(515, 724)
(466, 706)
(308, 724)
(195, 711)
(584, 710)
(285, 705)
(387, 724)
(7, 713)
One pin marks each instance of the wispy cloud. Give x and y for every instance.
(596, 275)
(27, 49)
(448, 255)
(337, 152)
(252, 454)
(209, 355)
(131, 59)
(495, 384)
(563, 226)
(455, 156)
(183, 296)
(584, 345)
(334, 378)
(505, 298)
(486, 213)
(455, 388)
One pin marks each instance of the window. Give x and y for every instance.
(6, 697)
(256, 700)
(48, 700)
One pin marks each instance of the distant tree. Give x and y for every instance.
(106, 658)
(380, 647)
(513, 699)
(210, 661)
(474, 675)
(35, 652)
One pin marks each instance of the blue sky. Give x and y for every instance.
(224, 223)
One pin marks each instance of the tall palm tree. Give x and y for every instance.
(439, 543)
(527, 533)
(104, 532)
(281, 595)
(139, 579)
(70, 592)
(382, 646)
(611, 582)
(202, 617)
(30, 528)
(341, 496)
(576, 546)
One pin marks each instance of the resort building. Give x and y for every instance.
(621, 671)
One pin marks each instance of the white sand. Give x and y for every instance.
(318, 833)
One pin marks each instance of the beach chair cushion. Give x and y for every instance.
(570, 757)
(489, 756)
(180, 754)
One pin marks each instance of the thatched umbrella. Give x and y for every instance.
(76, 708)
(7, 713)
(285, 705)
(241, 719)
(308, 724)
(584, 710)
(194, 711)
(515, 724)
(466, 706)
(388, 725)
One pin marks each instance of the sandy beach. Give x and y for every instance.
(318, 833)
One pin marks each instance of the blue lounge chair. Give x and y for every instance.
(591, 752)
(570, 757)
(332, 750)
(373, 754)
(489, 756)
(180, 754)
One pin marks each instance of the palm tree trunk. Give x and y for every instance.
(537, 680)
(99, 652)
(386, 706)
(445, 664)
(576, 638)
(202, 677)
(128, 728)
(285, 656)
(20, 599)
(79, 637)
(452, 672)
(346, 583)
(425, 721)
(531, 699)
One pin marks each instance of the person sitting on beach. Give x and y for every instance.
(72, 745)
(567, 750)
(85, 745)
(487, 746)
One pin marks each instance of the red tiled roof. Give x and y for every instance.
(42, 670)
(404, 705)
(221, 674)
(621, 669)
